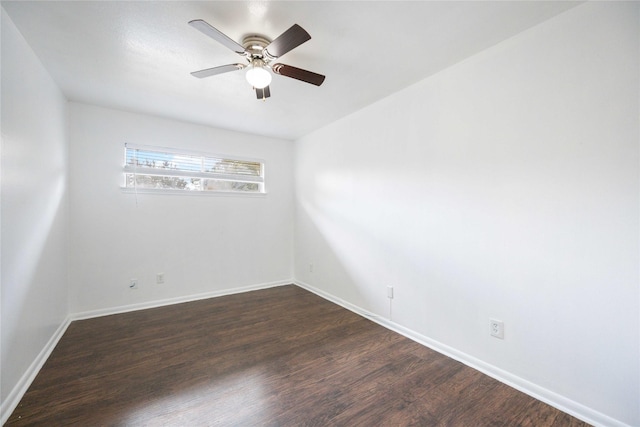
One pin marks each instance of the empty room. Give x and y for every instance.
(307, 213)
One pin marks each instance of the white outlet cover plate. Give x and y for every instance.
(496, 328)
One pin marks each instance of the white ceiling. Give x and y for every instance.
(137, 56)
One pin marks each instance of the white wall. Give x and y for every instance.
(34, 213)
(202, 243)
(507, 187)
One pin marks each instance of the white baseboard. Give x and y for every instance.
(560, 402)
(547, 396)
(9, 405)
(177, 300)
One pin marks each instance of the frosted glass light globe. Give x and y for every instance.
(258, 77)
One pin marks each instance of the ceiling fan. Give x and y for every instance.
(259, 53)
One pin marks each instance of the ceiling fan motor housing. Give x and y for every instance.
(255, 46)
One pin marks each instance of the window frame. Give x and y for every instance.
(128, 169)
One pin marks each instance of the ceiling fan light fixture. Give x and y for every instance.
(259, 51)
(257, 75)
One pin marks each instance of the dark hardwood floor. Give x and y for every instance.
(274, 357)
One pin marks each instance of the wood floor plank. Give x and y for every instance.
(275, 357)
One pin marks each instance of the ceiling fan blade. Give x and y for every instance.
(217, 70)
(287, 41)
(217, 35)
(298, 74)
(263, 93)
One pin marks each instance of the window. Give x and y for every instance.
(164, 169)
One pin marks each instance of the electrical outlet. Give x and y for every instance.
(133, 284)
(496, 328)
(390, 292)
(160, 278)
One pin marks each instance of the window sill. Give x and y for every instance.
(146, 191)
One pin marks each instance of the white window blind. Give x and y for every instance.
(154, 168)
